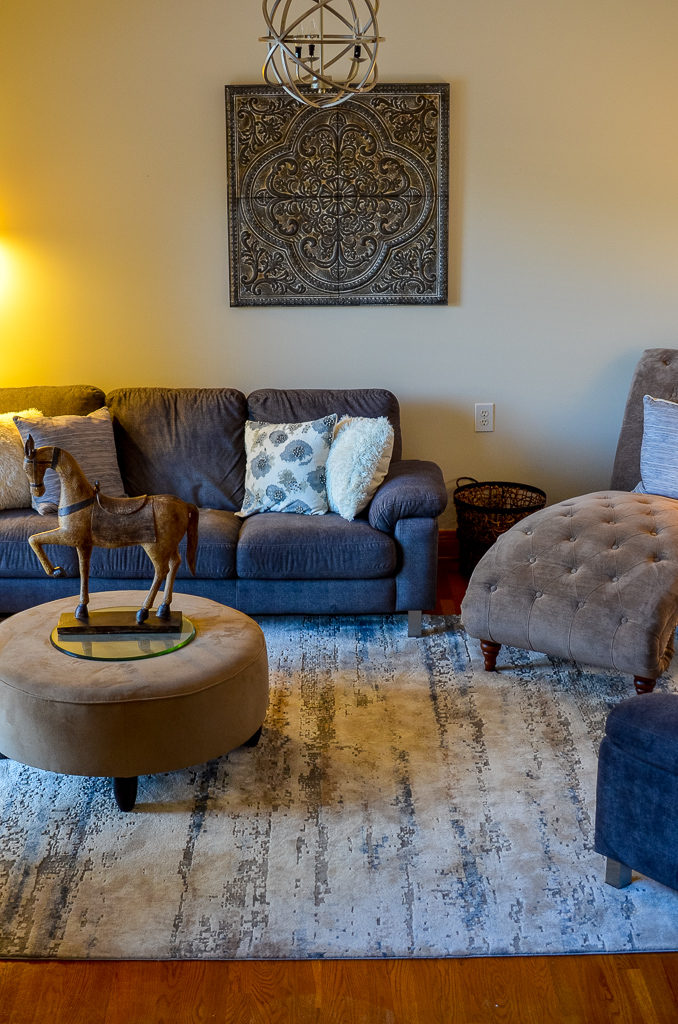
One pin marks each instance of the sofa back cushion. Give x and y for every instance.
(53, 400)
(656, 374)
(183, 441)
(274, 405)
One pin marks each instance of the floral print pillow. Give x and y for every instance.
(286, 466)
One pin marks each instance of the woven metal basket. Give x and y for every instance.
(486, 510)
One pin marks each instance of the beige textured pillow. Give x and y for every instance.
(14, 489)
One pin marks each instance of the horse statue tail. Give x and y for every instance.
(192, 537)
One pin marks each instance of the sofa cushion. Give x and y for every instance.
(279, 546)
(89, 439)
(15, 491)
(273, 405)
(53, 400)
(285, 466)
(16, 557)
(357, 463)
(659, 448)
(217, 539)
(414, 488)
(183, 441)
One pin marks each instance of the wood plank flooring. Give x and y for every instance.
(639, 988)
(627, 989)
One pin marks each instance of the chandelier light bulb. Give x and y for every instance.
(321, 51)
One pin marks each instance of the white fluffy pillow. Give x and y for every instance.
(357, 463)
(14, 489)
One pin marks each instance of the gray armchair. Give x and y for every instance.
(593, 579)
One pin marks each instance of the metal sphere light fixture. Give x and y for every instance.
(321, 51)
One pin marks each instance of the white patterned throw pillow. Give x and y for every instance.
(14, 489)
(285, 469)
(358, 462)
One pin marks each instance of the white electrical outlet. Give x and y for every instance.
(484, 416)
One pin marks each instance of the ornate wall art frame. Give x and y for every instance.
(343, 206)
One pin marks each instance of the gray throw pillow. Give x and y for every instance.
(659, 448)
(89, 439)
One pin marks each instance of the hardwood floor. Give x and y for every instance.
(639, 988)
(521, 990)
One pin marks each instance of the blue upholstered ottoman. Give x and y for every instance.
(637, 798)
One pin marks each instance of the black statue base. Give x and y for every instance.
(113, 622)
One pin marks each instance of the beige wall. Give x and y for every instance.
(564, 219)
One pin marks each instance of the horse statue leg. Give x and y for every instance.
(163, 611)
(36, 542)
(84, 557)
(159, 575)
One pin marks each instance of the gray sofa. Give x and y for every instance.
(190, 442)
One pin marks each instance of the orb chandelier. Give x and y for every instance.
(321, 51)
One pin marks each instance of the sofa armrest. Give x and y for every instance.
(412, 489)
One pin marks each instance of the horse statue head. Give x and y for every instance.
(35, 467)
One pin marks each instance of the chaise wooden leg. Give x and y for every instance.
(643, 685)
(490, 651)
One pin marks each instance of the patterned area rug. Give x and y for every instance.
(401, 802)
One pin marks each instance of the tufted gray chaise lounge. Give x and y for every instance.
(593, 579)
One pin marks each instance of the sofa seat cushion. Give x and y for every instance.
(217, 540)
(16, 557)
(282, 545)
(183, 441)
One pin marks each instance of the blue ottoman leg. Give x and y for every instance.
(617, 874)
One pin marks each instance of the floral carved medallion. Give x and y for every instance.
(340, 206)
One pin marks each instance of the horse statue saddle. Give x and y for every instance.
(127, 520)
(120, 506)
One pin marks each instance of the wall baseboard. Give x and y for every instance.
(448, 545)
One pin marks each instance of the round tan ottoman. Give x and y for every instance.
(128, 718)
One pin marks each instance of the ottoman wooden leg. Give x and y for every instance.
(125, 792)
(490, 651)
(643, 685)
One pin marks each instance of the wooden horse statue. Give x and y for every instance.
(86, 518)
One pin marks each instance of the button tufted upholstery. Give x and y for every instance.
(594, 578)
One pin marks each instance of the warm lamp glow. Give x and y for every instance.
(5, 273)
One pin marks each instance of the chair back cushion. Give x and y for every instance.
(657, 375)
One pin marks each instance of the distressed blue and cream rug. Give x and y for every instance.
(402, 802)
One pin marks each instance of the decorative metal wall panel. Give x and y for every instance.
(343, 206)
